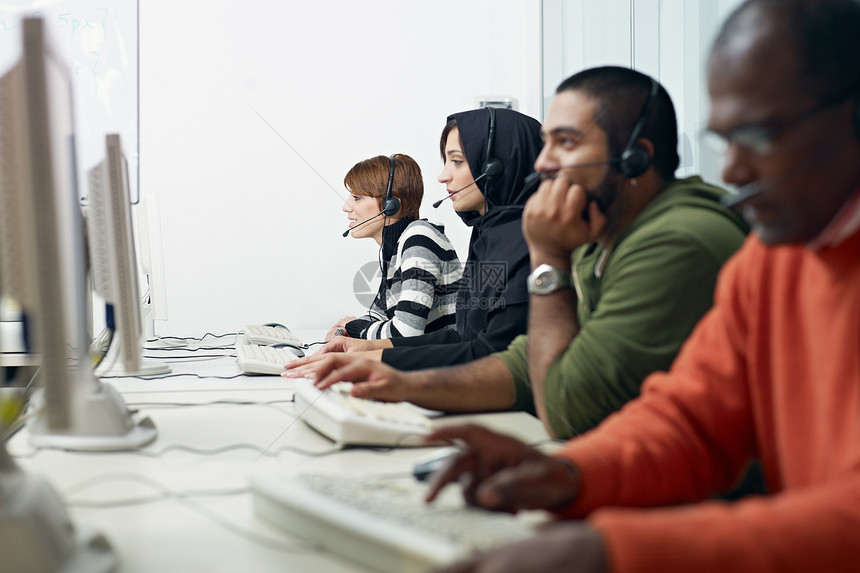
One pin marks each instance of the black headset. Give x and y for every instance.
(391, 204)
(492, 168)
(634, 160)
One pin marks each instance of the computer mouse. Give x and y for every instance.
(276, 325)
(426, 466)
(294, 349)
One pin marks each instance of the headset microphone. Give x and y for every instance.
(478, 178)
(348, 231)
(746, 192)
(538, 176)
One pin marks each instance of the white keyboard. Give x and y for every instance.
(383, 522)
(261, 334)
(349, 420)
(256, 359)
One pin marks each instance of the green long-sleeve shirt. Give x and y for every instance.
(636, 307)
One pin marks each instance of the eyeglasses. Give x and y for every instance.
(759, 138)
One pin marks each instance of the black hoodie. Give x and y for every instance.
(492, 302)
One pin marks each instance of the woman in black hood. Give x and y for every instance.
(484, 176)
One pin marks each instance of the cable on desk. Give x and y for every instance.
(290, 425)
(213, 403)
(185, 498)
(268, 403)
(200, 358)
(224, 449)
(184, 349)
(262, 452)
(198, 376)
(184, 338)
(265, 451)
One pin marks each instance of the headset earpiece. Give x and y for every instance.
(391, 204)
(492, 168)
(635, 159)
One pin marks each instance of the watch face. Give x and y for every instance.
(546, 281)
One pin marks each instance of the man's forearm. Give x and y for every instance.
(483, 385)
(552, 327)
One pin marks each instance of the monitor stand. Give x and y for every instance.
(36, 533)
(102, 423)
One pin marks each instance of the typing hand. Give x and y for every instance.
(553, 223)
(347, 344)
(503, 474)
(371, 379)
(561, 547)
(306, 367)
(317, 367)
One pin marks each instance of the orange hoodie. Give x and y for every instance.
(772, 371)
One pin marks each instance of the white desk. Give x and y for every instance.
(211, 533)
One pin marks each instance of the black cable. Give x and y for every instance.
(208, 334)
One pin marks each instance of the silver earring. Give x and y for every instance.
(633, 182)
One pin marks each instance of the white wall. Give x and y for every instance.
(251, 212)
(667, 39)
(252, 228)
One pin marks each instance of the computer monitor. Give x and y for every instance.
(152, 261)
(43, 259)
(42, 269)
(113, 262)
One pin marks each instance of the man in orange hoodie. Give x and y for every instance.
(772, 371)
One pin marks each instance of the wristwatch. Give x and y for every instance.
(546, 279)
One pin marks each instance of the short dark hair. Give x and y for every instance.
(370, 178)
(620, 94)
(824, 34)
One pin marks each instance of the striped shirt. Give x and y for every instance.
(419, 291)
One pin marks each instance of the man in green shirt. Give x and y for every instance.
(624, 256)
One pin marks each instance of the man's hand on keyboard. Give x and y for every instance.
(347, 344)
(316, 366)
(371, 379)
(502, 473)
(561, 547)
